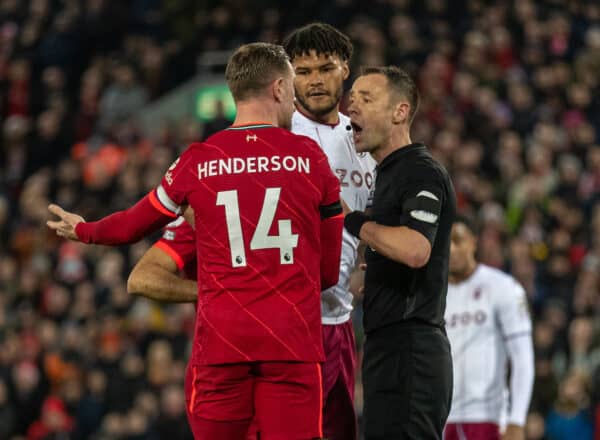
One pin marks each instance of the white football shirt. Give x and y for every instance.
(357, 181)
(482, 314)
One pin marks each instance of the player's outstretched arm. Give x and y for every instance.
(156, 277)
(122, 227)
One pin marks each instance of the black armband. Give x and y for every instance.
(332, 210)
(354, 221)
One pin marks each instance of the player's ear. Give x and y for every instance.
(345, 70)
(278, 89)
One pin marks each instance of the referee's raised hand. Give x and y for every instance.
(65, 227)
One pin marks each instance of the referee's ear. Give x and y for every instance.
(401, 112)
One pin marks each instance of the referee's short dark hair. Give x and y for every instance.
(253, 66)
(323, 38)
(401, 82)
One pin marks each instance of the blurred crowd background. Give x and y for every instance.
(511, 106)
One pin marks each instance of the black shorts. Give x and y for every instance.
(407, 381)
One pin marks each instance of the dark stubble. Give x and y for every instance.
(321, 111)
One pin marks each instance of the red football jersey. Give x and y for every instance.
(256, 192)
(179, 242)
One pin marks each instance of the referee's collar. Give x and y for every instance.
(396, 155)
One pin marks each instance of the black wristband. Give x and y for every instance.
(354, 221)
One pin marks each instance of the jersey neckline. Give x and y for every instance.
(310, 118)
(250, 125)
(470, 277)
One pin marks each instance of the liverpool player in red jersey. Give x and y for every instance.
(268, 227)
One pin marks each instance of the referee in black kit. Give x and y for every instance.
(407, 367)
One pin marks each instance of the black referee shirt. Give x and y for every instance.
(411, 190)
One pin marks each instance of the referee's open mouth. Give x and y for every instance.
(356, 131)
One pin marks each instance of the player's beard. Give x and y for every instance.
(457, 273)
(455, 278)
(321, 111)
(462, 272)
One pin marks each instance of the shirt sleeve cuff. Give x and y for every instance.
(171, 253)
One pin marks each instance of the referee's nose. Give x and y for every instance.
(352, 110)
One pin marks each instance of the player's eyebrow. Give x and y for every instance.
(319, 66)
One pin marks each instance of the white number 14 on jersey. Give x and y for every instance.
(285, 241)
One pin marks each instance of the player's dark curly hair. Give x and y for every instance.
(470, 223)
(322, 38)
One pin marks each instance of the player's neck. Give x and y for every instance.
(465, 275)
(332, 118)
(253, 112)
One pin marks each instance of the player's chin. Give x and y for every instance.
(320, 107)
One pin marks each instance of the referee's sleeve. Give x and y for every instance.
(422, 205)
